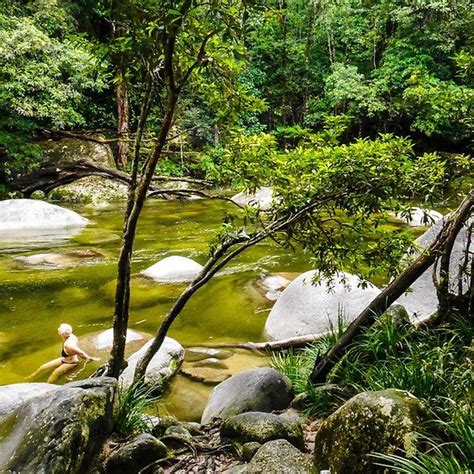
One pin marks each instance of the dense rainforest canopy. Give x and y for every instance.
(363, 67)
(331, 120)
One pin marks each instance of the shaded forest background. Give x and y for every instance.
(356, 68)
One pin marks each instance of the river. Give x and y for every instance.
(34, 300)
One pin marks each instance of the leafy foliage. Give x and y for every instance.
(132, 402)
(433, 364)
(45, 78)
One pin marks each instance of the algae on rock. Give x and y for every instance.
(371, 422)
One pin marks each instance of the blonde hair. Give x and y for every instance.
(65, 329)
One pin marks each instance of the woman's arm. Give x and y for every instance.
(74, 349)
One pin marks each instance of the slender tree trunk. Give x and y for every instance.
(395, 289)
(121, 92)
(136, 200)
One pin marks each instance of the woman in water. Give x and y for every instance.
(70, 354)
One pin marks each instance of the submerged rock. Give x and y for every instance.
(419, 217)
(370, 422)
(304, 308)
(210, 363)
(262, 427)
(68, 258)
(274, 285)
(59, 430)
(164, 365)
(205, 375)
(173, 269)
(16, 214)
(262, 198)
(194, 354)
(421, 301)
(135, 455)
(105, 339)
(261, 389)
(278, 457)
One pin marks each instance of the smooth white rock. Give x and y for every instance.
(31, 214)
(421, 302)
(304, 309)
(274, 284)
(173, 269)
(420, 217)
(165, 363)
(262, 198)
(105, 339)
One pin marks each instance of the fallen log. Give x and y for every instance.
(395, 289)
(50, 177)
(282, 344)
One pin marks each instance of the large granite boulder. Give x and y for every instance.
(14, 395)
(421, 301)
(96, 190)
(261, 389)
(164, 365)
(133, 456)
(173, 269)
(18, 214)
(279, 457)
(417, 217)
(60, 430)
(261, 198)
(370, 422)
(70, 150)
(304, 308)
(262, 427)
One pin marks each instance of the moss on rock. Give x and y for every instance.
(262, 427)
(371, 422)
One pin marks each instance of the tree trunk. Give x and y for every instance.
(137, 197)
(394, 290)
(121, 92)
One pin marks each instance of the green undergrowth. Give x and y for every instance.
(433, 363)
(132, 403)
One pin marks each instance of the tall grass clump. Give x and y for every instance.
(297, 366)
(132, 402)
(433, 363)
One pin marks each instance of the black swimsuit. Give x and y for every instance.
(65, 354)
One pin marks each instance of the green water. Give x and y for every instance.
(34, 301)
(230, 308)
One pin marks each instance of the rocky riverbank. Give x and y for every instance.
(248, 426)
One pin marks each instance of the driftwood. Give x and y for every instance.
(443, 242)
(280, 345)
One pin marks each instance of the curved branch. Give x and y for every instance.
(395, 289)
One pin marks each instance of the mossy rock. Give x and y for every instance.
(262, 427)
(70, 150)
(371, 422)
(59, 431)
(138, 453)
(279, 457)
